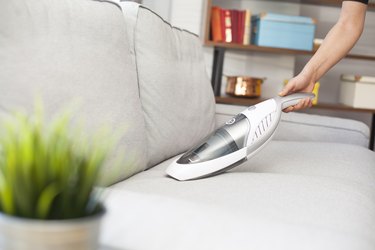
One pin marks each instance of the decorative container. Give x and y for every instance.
(283, 31)
(358, 91)
(244, 86)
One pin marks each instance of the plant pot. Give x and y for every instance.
(74, 234)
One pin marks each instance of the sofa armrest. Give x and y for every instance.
(307, 127)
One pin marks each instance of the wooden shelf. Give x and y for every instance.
(332, 3)
(252, 101)
(254, 48)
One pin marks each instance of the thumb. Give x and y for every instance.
(287, 89)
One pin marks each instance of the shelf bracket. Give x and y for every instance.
(217, 69)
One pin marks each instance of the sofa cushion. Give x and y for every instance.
(292, 195)
(306, 127)
(302, 127)
(176, 94)
(74, 51)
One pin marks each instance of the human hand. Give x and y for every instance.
(300, 83)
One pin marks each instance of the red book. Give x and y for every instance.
(216, 26)
(241, 26)
(234, 22)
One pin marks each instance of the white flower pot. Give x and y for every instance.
(28, 234)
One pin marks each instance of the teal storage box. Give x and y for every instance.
(283, 31)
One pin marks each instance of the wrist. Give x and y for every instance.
(310, 74)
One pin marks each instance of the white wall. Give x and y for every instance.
(162, 7)
(187, 14)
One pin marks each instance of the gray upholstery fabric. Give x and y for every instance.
(306, 127)
(176, 94)
(292, 195)
(74, 51)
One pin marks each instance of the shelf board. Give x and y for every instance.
(254, 48)
(252, 101)
(331, 3)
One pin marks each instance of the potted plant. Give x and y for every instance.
(48, 175)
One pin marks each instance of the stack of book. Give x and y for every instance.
(231, 26)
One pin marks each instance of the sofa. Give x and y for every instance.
(311, 187)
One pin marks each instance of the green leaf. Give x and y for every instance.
(7, 201)
(46, 199)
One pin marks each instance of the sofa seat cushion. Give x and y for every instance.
(292, 195)
(176, 94)
(68, 52)
(307, 127)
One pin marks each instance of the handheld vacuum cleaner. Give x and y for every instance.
(238, 140)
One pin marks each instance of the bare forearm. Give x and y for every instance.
(338, 42)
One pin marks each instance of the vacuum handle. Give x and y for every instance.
(293, 99)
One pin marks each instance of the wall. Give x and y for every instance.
(162, 7)
(187, 14)
(180, 13)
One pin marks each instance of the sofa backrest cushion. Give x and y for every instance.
(74, 51)
(176, 94)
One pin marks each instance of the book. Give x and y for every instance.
(241, 26)
(227, 23)
(216, 29)
(234, 25)
(247, 28)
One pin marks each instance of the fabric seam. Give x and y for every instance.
(109, 1)
(173, 27)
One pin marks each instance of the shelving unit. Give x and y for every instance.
(221, 48)
(332, 3)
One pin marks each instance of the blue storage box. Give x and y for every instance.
(283, 31)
